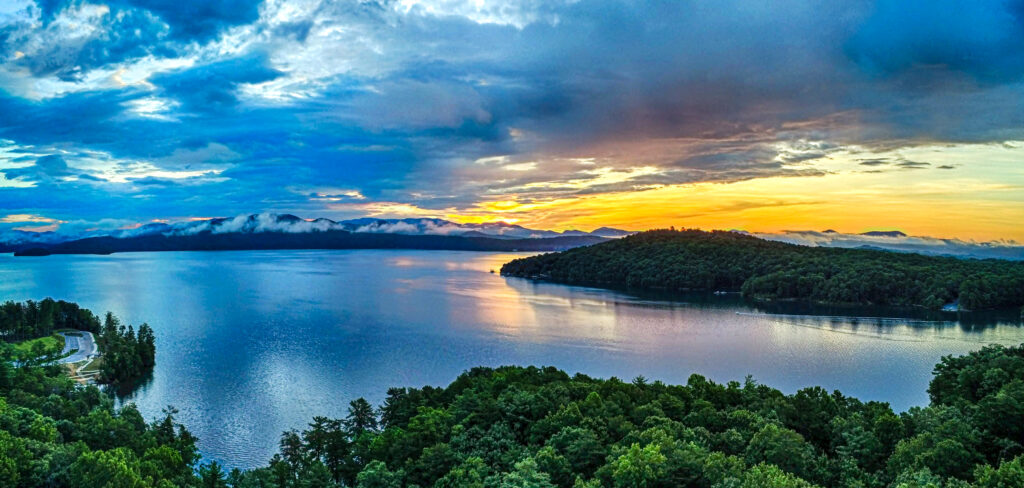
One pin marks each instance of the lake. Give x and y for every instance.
(250, 344)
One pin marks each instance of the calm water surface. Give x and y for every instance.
(250, 344)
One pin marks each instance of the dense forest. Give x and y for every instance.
(529, 427)
(57, 433)
(127, 355)
(760, 269)
(31, 319)
(539, 427)
(516, 427)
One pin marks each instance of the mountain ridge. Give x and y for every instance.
(330, 239)
(21, 242)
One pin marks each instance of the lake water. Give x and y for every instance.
(250, 344)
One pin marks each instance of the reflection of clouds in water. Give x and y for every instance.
(500, 308)
(297, 334)
(483, 262)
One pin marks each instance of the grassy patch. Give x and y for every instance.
(93, 367)
(52, 345)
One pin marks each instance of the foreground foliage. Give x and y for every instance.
(516, 427)
(56, 433)
(539, 427)
(730, 261)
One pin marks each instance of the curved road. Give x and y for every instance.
(85, 344)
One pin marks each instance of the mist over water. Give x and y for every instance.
(250, 344)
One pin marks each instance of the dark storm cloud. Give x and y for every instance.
(85, 119)
(188, 20)
(45, 168)
(981, 39)
(200, 20)
(212, 87)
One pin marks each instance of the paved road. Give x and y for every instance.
(85, 344)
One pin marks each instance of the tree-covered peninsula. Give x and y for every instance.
(55, 432)
(127, 354)
(760, 269)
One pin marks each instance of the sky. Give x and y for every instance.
(763, 116)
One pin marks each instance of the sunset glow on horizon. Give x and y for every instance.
(851, 116)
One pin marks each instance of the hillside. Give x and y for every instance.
(761, 269)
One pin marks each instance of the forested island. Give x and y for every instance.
(769, 270)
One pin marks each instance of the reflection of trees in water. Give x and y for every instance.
(127, 391)
(885, 316)
(851, 315)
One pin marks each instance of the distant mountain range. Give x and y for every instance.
(267, 231)
(285, 231)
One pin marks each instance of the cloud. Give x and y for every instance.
(898, 162)
(980, 39)
(58, 231)
(187, 21)
(518, 13)
(214, 86)
(27, 218)
(45, 169)
(874, 162)
(25, 229)
(411, 105)
(83, 37)
(200, 21)
(211, 156)
(903, 243)
(913, 164)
